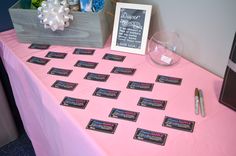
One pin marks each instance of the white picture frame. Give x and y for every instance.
(131, 26)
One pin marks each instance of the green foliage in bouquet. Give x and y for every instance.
(37, 3)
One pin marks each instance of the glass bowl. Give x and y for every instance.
(165, 48)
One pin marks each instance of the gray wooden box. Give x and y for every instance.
(87, 29)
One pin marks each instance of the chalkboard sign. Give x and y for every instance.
(131, 27)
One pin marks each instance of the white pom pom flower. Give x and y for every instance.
(54, 14)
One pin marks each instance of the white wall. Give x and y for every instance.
(206, 27)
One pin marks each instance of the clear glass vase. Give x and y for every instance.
(165, 48)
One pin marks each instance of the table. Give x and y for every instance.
(56, 130)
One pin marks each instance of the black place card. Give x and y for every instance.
(74, 102)
(86, 64)
(64, 85)
(150, 136)
(180, 124)
(84, 51)
(152, 103)
(38, 60)
(102, 126)
(106, 93)
(122, 70)
(124, 114)
(39, 46)
(96, 77)
(59, 71)
(169, 80)
(114, 57)
(140, 86)
(58, 55)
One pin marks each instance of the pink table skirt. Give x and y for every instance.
(56, 130)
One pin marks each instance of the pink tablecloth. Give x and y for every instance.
(57, 130)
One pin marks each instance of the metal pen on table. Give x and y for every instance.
(196, 101)
(202, 103)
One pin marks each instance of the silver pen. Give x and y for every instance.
(202, 103)
(196, 101)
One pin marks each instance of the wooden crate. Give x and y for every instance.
(87, 29)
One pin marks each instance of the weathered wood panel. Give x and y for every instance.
(86, 29)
